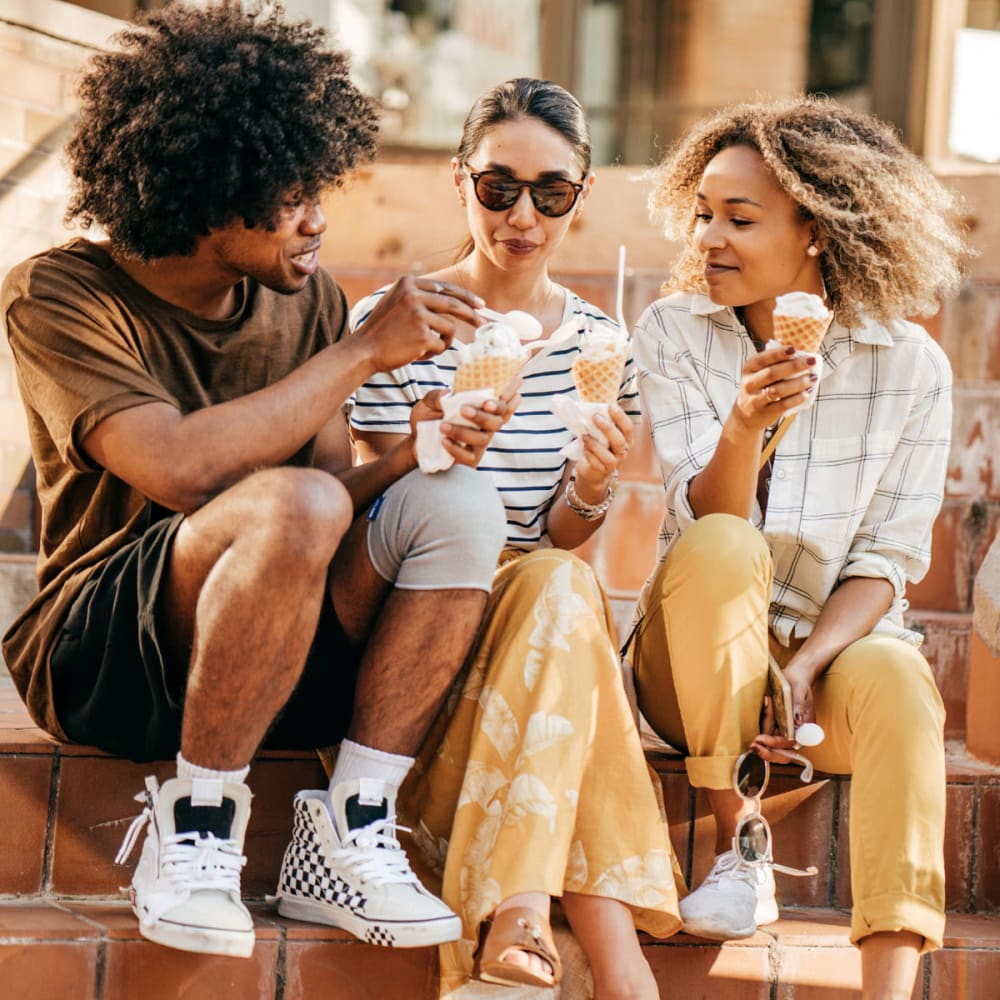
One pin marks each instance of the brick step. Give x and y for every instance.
(66, 809)
(93, 951)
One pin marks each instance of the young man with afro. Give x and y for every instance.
(215, 574)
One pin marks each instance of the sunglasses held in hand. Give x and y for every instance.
(498, 192)
(752, 841)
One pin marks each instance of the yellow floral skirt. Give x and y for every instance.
(533, 778)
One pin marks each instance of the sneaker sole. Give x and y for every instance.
(713, 932)
(387, 933)
(204, 940)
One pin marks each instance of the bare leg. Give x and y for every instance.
(889, 963)
(244, 587)
(607, 935)
(415, 644)
(727, 808)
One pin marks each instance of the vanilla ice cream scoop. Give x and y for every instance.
(498, 339)
(801, 304)
(491, 360)
(597, 370)
(800, 321)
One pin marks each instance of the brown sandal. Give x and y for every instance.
(518, 929)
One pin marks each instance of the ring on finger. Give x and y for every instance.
(770, 393)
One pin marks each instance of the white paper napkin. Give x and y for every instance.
(431, 455)
(578, 418)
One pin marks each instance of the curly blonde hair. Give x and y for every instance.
(894, 242)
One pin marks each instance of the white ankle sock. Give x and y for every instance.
(356, 761)
(206, 783)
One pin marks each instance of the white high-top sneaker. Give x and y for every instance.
(733, 901)
(349, 870)
(186, 887)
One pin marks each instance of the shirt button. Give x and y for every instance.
(781, 474)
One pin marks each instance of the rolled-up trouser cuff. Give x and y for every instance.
(711, 772)
(898, 912)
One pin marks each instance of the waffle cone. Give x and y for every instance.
(482, 373)
(598, 381)
(804, 333)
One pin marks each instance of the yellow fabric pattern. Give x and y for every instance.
(533, 778)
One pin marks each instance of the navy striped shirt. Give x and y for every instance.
(523, 458)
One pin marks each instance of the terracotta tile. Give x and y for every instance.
(24, 806)
(702, 836)
(964, 975)
(801, 819)
(677, 800)
(813, 928)
(818, 973)
(948, 583)
(18, 734)
(986, 892)
(355, 971)
(686, 967)
(972, 930)
(958, 840)
(45, 971)
(274, 784)
(96, 804)
(34, 919)
(140, 968)
(982, 732)
(946, 647)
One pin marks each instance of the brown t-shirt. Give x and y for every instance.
(88, 342)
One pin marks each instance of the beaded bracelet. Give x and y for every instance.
(589, 511)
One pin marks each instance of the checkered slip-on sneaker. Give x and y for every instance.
(186, 887)
(360, 881)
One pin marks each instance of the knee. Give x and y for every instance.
(440, 531)
(720, 554)
(303, 513)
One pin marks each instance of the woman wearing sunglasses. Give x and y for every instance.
(533, 783)
(803, 556)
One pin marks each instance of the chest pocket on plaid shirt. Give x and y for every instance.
(841, 478)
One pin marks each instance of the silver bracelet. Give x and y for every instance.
(589, 511)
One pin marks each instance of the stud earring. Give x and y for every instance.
(812, 250)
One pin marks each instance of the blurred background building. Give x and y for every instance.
(644, 69)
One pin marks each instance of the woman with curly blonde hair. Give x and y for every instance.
(801, 487)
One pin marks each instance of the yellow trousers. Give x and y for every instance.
(533, 777)
(700, 661)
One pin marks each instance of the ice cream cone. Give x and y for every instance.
(804, 333)
(486, 372)
(598, 381)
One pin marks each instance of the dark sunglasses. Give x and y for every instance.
(752, 841)
(498, 192)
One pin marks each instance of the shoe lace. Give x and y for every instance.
(728, 867)
(212, 862)
(373, 853)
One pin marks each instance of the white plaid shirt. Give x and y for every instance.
(857, 480)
